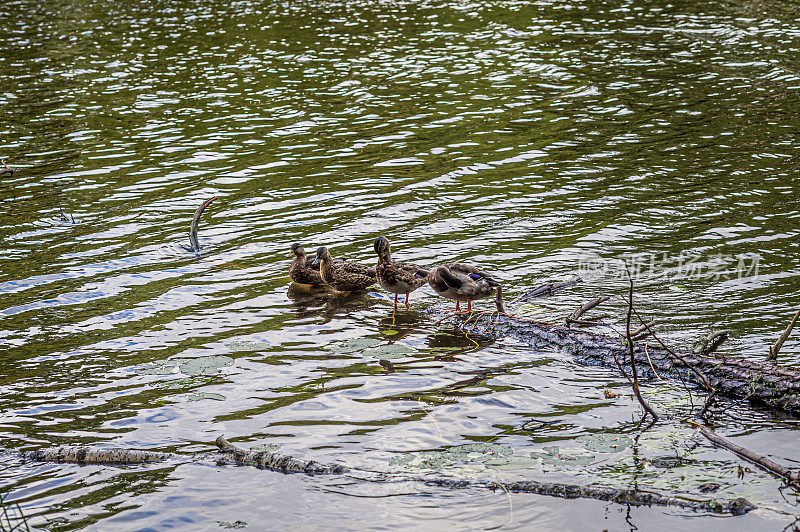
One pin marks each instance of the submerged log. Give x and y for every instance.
(282, 463)
(762, 382)
(633, 497)
(88, 455)
(276, 461)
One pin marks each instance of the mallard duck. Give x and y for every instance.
(463, 282)
(301, 271)
(397, 277)
(344, 276)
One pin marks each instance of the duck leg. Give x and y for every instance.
(469, 305)
(457, 309)
(406, 300)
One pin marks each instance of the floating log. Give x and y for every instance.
(762, 382)
(631, 497)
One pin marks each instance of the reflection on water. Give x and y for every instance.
(536, 140)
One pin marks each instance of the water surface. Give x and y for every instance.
(538, 140)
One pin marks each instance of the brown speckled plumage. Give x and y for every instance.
(397, 277)
(301, 270)
(344, 276)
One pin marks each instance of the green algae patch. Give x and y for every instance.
(265, 447)
(188, 366)
(388, 351)
(200, 396)
(204, 365)
(244, 345)
(459, 454)
(602, 442)
(553, 456)
(352, 345)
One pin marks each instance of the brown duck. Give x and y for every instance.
(344, 276)
(463, 282)
(397, 277)
(301, 271)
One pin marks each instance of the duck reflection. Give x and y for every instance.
(307, 300)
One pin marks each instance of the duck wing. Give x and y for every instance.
(473, 273)
(411, 273)
(355, 268)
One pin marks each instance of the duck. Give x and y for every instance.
(394, 276)
(301, 270)
(344, 276)
(463, 282)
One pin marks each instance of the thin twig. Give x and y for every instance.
(672, 353)
(712, 398)
(634, 375)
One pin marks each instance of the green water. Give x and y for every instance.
(538, 140)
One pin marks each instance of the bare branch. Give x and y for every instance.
(700, 375)
(773, 352)
(634, 375)
(762, 461)
(710, 344)
(575, 317)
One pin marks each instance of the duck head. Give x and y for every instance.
(323, 255)
(298, 251)
(383, 249)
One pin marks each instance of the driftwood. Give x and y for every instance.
(643, 330)
(762, 382)
(288, 464)
(5, 169)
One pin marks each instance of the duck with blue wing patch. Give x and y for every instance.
(462, 282)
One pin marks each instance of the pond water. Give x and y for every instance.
(538, 140)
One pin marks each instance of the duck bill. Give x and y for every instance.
(316, 262)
